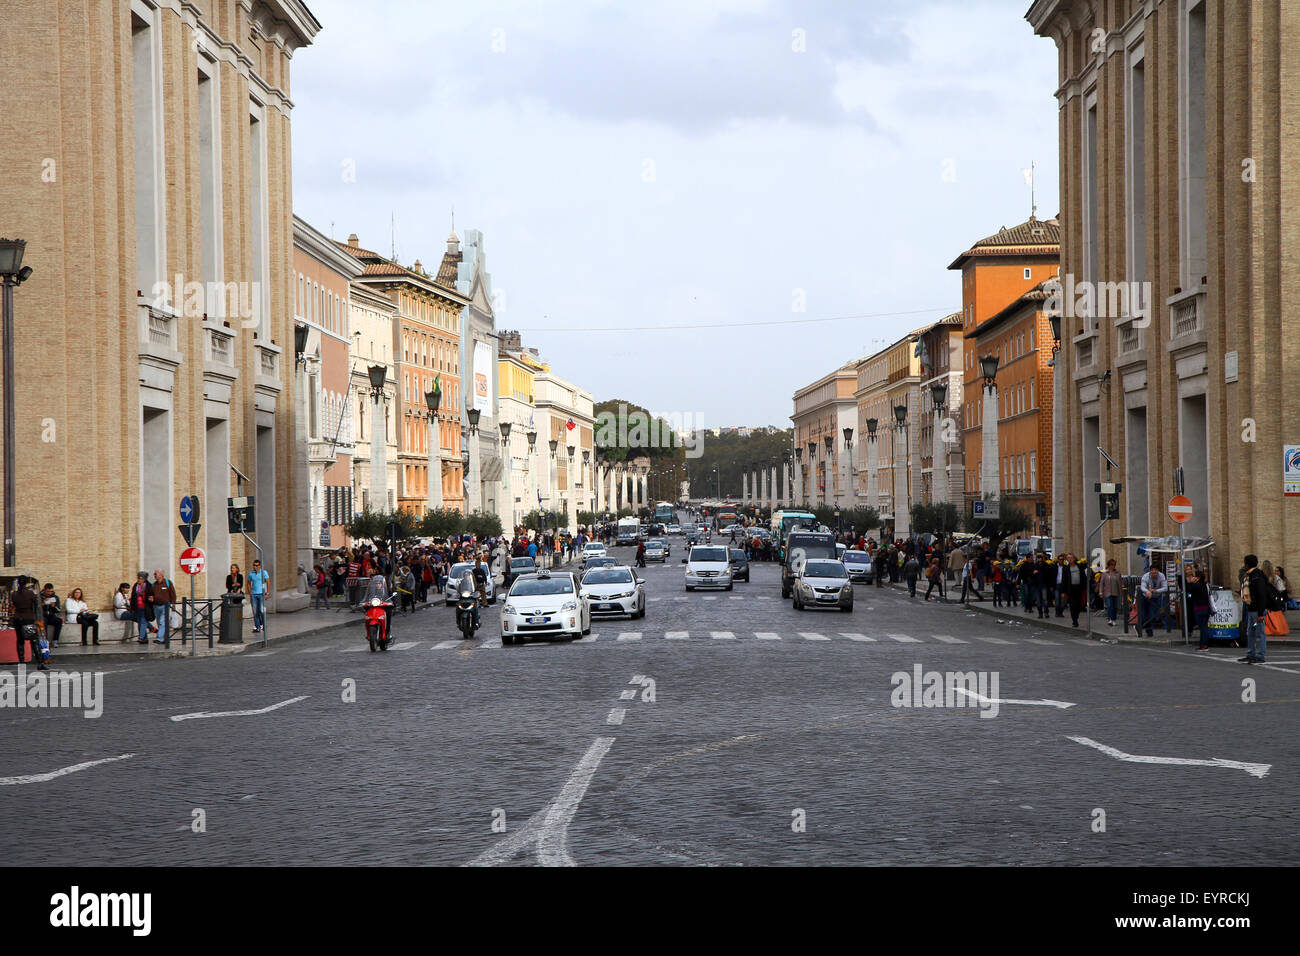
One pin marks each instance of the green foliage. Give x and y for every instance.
(735, 456)
(483, 525)
(862, 518)
(624, 431)
(442, 523)
(587, 518)
(367, 526)
(941, 518)
(1012, 520)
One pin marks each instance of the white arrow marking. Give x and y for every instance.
(1031, 703)
(549, 827)
(64, 771)
(1254, 769)
(242, 713)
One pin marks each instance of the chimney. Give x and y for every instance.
(417, 267)
(353, 240)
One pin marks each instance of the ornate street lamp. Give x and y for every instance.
(377, 374)
(900, 415)
(12, 274)
(473, 414)
(830, 444)
(872, 424)
(848, 438)
(989, 369)
(939, 390)
(532, 440)
(433, 399)
(554, 443)
(505, 431)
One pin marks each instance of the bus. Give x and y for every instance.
(783, 522)
(725, 517)
(665, 514)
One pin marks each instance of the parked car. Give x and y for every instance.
(610, 592)
(823, 582)
(451, 590)
(545, 604)
(708, 566)
(739, 565)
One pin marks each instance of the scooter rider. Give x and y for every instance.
(480, 573)
(378, 588)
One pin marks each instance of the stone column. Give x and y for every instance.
(990, 470)
(939, 463)
(378, 457)
(902, 500)
(1058, 456)
(506, 504)
(475, 483)
(433, 500)
(744, 487)
(873, 484)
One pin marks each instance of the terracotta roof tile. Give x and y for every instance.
(1032, 237)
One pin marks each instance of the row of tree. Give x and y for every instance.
(434, 523)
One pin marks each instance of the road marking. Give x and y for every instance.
(444, 645)
(767, 636)
(404, 646)
(61, 772)
(548, 829)
(677, 635)
(355, 650)
(262, 654)
(242, 713)
(1060, 704)
(1038, 640)
(680, 597)
(948, 639)
(637, 679)
(710, 597)
(992, 640)
(315, 650)
(857, 637)
(616, 715)
(1254, 769)
(813, 636)
(627, 695)
(903, 638)
(630, 636)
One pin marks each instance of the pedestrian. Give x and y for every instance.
(80, 613)
(1112, 586)
(320, 583)
(259, 585)
(911, 571)
(1254, 605)
(122, 605)
(997, 583)
(141, 603)
(934, 575)
(27, 622)
(405, 586)
(1075, 580)
(234, 580)
(164, 596)
(1198, 601)
(53, 614)
(1040, 576)
(1151, 597)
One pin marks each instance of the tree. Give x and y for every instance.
(1012, 520)
(536, 520)
(483, 525)
(442, 523)
(588, 518)
(940, 518)
(366, 526)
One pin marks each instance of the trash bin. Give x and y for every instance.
(232, 619)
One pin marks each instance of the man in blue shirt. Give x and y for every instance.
(259, 582)
(532, 550)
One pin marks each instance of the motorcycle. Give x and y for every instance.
(377, 617)
(466, 603)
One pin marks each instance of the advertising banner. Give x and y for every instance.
(482, 378)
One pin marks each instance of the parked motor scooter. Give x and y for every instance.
(466, 605)
(378, 618)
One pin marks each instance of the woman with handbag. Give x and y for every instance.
(1198, 602)
(235, 580)
(79, 612)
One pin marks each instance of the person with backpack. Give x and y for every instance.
(27, 621)
(1255, 603)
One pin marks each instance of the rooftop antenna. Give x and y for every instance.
(453, 217)
(1033, 203)
(392, 231)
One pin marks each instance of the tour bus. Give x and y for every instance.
(725, 518)
(664, 514)
(782, 524)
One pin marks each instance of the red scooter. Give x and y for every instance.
(377, 624)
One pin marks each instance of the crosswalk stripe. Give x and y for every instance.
(767, 636)
(992, 640)
(677, 635)
(722, 635)
(355, 650)
(630, 636)
(948, 639)
(590, 638)
(1035, 640)
(314, 650)
(903, 638)
(813, 636)
(405, 645)
(443, 645)
(735, 597)
(262, 654)
(856, 637)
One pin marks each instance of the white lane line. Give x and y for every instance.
(767, 636)
(61, 772)
(1038, 640)
(627, 695)
(1060, 704)
(262, 654)
(1254, 769)
(630, 636)
(241, 713)
(903, 638)
(678, 635)
(548, 829)
(444, 645)
(948, 639)
(856, 637)
(404, 646)
(616, 715)
(722, 635)
(681, 597)
(315, 650)
(710, 597)
(813, 636)
(355, 650)
(992, 640)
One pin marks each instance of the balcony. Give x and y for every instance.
(267, 370)
(1187, 320)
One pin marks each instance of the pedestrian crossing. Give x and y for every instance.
(883, 639)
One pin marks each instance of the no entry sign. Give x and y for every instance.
(192, 560)
(1180, 508)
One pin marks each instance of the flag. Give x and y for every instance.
(531, 417)
(437, 382)
(571, 425)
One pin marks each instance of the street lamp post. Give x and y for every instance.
(939, 490)
(799, 491)
(588, 472)
(507, 492)
(812, 471)
(902, 500)
(531, 435)
(474, 482)
(433, 495)
(851, 482)
(378, 376)
(873, 476)
(12, 274)
(990, 477)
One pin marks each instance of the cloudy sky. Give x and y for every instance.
(674, 196)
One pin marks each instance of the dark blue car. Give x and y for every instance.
(739, 565)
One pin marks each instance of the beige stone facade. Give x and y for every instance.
(822, 410)
(146, 151)
(1180, 167)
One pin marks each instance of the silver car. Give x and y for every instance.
(449, 592)
(823, 582)
(656, 549)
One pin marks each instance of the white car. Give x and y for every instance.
(451, 590)
(544, 604)
(613, 591)
(593, 549)
(674, 529)
(708, 566)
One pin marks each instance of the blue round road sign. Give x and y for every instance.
(187, 509)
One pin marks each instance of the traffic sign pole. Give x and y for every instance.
(1180, 509)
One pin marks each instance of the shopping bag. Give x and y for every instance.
(1275, 624)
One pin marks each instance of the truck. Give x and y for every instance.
(629, 529)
